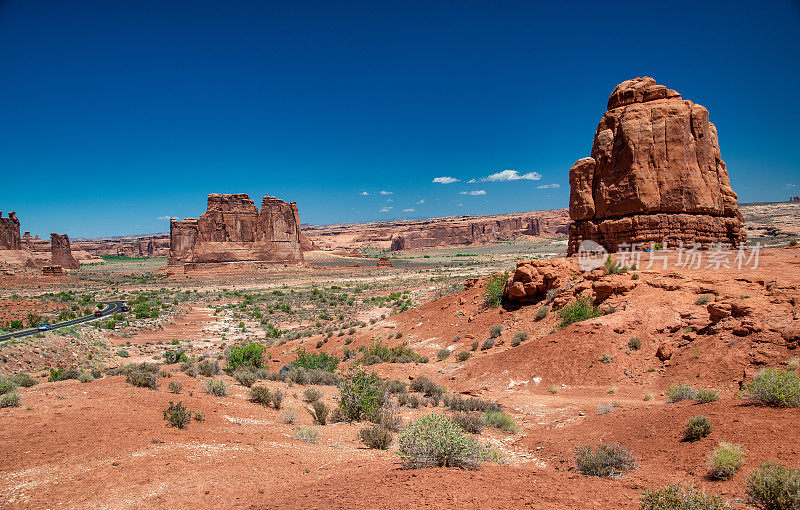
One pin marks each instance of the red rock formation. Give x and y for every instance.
(476, 231)
(232, 230)
(533, 278)
(9, 232)
(655, 174)
(60, 252)
(384, 262)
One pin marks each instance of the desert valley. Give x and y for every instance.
(637, 348)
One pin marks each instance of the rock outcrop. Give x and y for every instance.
(60, 252)
(655, 175)
(233, 230)
(476, 231)
(9, 232)
(532, 279)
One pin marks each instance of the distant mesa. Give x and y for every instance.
(233, 230)
(655, 174)
(795, 198)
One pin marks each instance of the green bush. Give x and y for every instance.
(635, 343)
(459, 403)
(443, 354)
(606, 358)
(63, 374)
(251, 355)
(10, 399)
(277, 399)
(725, 460)
(493, 291)
(216, 387)
(471, 422)
(495, 331)
(85, 378)
(378, 352)
(7, 384)
(319, 412)
(393, 386)
(541, 312)
(142, 375)
(463, 356)
(122, 353)
(578, 310)
(175, 387)
(260, 395)
(697, 427)
(680, 392)
(245, 377)
(606, 461)
(679, 497)
(312, 395)
(177, 415)
(518, 338)
(427, 387)
(176, 356)
(375, 437)
(208, 368)
(777, 388)
(315, 361)
(612, 267)
(487, 344)
(702, 300)
(24, 380)
(435, 440)
(706, 396)
(360, 396)
(500, 420)
(774, 487)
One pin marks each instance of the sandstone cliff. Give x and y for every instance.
(60, 252)
(233, 230)
(9, 232)
(655, 174)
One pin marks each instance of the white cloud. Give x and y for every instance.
(473, 193)
(421, 201)
(389, 200)
(166, 218)
(790, 186)
(364, 193)
(387, 192)
(386, 209)
(445, 180)
(511, 175)
(472, 181)
(459, 205)
(408, 210)
(548, 186)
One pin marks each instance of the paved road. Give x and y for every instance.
(111, 308)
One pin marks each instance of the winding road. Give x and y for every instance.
(110, 308)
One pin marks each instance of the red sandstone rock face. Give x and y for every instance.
(9, 232)
(233, 230)
(61, 254)
(480, 231)
(533, 278)
(655, 174)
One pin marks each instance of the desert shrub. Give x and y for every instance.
(471, 422)
(175, 386)
(679, 497)
(24, 380)
(142, 375)
(680, 392)
(725, 460)
(176, 356)
(612, 267)
(696, 428)
(463, 356)
(260, 395)
(378, 352)
(777, 388)
(475, 345)
(241, 355)
(606, 461)
(189, 368)
(500, 420)
(208, 368)
(390, 420)
(495, 331)
(63, 374)
(443, 354)
(459, 403)
(606, 358)
(578, 310)
(605, 408)
(245, 377)
(319, 412)
(635, 343)
(85, 378)
(702, 300)
(493, 291)
(277, 399)
(216, 387)
(375, 437)
(435, 440)
(425, 386)
(122, 353)
(705, 396)
(305, 377)
(288, 417)
(487, 344)
(774, 487)
(7, 384)
(10, 399)
(307, 434)
(518, 338)
(312, 395)
(177, 415)
(393, 386)
(541, 312)
(314, 361)
(412, 401)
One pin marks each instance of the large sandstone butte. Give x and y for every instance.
(233, 230)
(60, 252)
(9, 232)
(655, 174)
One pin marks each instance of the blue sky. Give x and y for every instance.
(114, 114)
